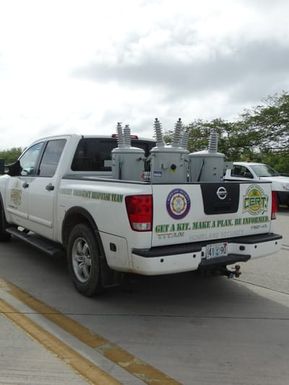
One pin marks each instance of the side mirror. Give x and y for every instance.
(14, 169)
(2, 167)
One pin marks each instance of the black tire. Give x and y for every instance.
(83, 257)
(4, 236)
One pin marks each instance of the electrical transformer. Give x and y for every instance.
(127, 161)
(169, 164)
(207, 165)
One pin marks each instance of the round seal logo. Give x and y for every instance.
(255, 200)
(222, 193)
(178, 203)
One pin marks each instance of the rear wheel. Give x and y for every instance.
(3, 235)
(84, 260)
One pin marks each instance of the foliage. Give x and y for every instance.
(260, 134)
(278, 160)
(271, 122)
(11, 155)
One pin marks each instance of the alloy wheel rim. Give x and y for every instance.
(81, 259)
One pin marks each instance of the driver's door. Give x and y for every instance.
(18, 186)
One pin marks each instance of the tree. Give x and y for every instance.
(271, 122)
(260, 134)
(11, 155)
(233, 139)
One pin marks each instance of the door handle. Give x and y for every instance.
(49, 187)
(25, 185)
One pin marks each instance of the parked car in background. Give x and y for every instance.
(261, 171)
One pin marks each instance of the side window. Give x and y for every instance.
(51, 156)
(236, 171)
(247, 173)
(241, 172)
(93, 155)
(29, 159)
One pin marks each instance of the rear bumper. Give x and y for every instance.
(192, 256)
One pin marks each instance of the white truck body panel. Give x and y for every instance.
(196, 225)
(105, 199)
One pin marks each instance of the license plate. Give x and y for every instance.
(216, 250)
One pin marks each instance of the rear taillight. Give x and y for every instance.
(274, 208)
(140, 212)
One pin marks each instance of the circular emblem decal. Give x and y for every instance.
(222, 193)
(178, 203)
(255, 200)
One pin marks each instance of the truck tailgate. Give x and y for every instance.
(209, 211)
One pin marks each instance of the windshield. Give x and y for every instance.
(264, 170)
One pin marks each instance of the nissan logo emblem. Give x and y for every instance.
(222, 193)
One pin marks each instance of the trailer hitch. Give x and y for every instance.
(235, 273)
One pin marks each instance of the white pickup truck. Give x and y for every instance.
(114, 208)
(261, 172)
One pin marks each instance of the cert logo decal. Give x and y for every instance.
(178, 203)
(255, 200)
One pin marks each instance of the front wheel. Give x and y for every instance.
(84, 260)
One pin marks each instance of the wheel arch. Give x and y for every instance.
(74, 216)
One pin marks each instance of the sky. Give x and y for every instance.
(81, 66)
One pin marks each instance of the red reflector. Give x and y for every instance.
(140, 212)
(274, 208)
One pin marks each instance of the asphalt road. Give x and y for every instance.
(182, 329)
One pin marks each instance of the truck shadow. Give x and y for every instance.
(179, 295)
(188, 295)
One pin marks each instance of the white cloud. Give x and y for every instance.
(83, 65)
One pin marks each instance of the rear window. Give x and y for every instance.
(94, 154)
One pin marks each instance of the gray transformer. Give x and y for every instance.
(207, 165)
(127, 161)
(169, 164)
